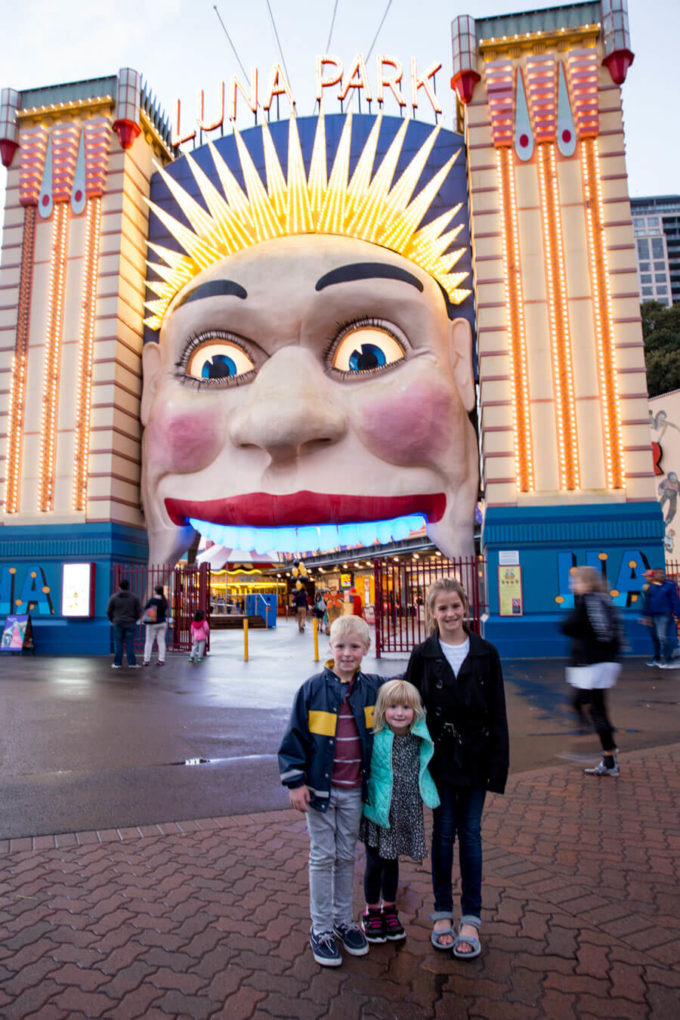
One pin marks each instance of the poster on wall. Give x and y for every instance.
(17, 635)
(77, 589)
(510, 591)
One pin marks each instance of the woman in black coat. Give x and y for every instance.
(460, 680)
(595, 629)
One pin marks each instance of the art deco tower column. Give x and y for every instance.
(566, 454)
(79, 159)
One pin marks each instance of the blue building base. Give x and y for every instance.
(530, 552)
(31, 561)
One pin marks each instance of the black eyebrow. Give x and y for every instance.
(367, 271)
(214, 288)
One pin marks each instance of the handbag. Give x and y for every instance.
(150, 614)
(596, 676)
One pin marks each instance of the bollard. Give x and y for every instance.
(245, 639)
(315, 628)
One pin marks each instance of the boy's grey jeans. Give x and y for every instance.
(332, 847)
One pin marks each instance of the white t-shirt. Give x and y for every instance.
(456, 654)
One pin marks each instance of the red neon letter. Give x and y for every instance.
(357, 79)
(178, 137)
(324, 83)
(389, 81)
(424, 83)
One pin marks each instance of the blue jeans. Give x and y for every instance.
(460, 812)
(662, 624)
(124, 635)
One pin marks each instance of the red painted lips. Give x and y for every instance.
(265, 510)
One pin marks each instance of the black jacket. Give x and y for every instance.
(588, 646)
(124, 609)
(161, 604)
(465, 714)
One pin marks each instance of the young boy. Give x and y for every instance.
(324, 760)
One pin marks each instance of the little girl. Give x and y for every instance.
(199, 635)
(398, 786)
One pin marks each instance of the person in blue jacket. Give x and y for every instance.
(660, 610)
(398, 786)
(324, 760)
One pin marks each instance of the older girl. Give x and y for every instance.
(460, 681)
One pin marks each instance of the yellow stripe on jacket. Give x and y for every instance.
(323, 723)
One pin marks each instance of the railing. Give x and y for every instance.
(186, 586)
(400, 592)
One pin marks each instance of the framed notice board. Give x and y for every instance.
(510, 590)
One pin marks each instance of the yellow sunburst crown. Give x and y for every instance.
(368, 207)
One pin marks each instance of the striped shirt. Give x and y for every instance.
(347, 760)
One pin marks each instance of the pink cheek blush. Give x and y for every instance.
(184, 442)
(409, 427)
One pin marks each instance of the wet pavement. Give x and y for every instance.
(131, 886)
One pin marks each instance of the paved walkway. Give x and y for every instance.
(209, 918)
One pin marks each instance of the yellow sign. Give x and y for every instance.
(345, 580)
(510, 591)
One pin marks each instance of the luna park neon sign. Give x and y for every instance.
(389, 82)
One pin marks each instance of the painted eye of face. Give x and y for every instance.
(366, 348)
(216, 359)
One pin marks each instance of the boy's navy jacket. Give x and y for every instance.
(307, 749)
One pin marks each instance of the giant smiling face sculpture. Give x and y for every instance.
(309, 380)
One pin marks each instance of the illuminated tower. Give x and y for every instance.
(79, 159)
(567, 465)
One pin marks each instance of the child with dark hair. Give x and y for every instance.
(200, 628)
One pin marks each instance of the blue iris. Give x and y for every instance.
(367, 357)
(220, 366)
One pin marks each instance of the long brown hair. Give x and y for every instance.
(445, 585)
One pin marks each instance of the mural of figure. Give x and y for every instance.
(308, 381)
(668, 496)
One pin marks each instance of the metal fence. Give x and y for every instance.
(400, 591)
(187, 588)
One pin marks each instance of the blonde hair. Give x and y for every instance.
(396, 692)
(350, 626)
(444, 586)
(591, 578)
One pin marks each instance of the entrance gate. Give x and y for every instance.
(400, 590)
(187, 588)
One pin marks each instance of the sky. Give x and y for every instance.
(180, 47)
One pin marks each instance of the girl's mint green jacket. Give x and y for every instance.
(380, 781)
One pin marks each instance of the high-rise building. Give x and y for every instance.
(656, 223)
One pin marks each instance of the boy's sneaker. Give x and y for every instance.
(393, 927)
(352, 938)
(373, 924)
(602, 770)
(191, 658)
(653, 662)
(325, 949)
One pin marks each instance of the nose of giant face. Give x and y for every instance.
(289, 407)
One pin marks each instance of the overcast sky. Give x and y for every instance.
(180, 47)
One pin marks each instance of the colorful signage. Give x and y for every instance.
(390, 82)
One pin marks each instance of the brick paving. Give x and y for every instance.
(209, 918)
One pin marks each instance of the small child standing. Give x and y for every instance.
(398, 786)
(200, 629)
(324, 758)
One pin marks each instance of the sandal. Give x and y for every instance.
(467, 940)
(436, 934)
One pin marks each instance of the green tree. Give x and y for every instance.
(661, 333)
